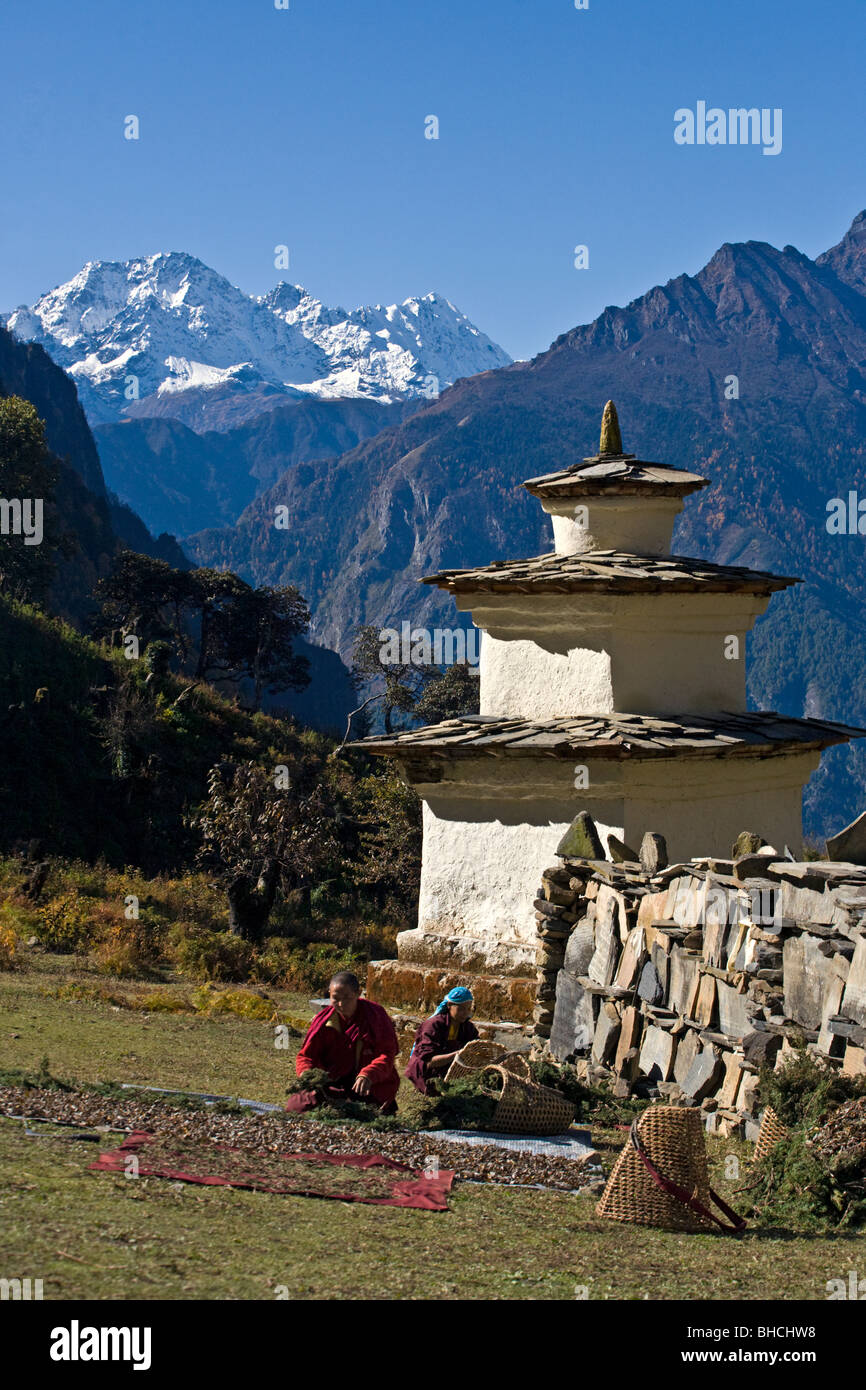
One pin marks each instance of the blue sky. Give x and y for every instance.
(305, 127)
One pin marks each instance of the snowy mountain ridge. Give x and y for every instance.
(131, 330)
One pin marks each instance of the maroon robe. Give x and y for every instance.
(366, 1045)
(431, 1041)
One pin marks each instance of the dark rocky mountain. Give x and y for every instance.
(96, 524)
(442, 488)
(223, 407)
(325, 703)
(26, 370)
(177, 478)
(848, 257)
(99, 524)
(132, 533)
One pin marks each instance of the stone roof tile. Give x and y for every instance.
(616, 474)
(614, 736)
(608, 571)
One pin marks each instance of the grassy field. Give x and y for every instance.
(96, 1040)
(100, 1236)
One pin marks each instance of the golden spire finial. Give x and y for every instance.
(611, 439)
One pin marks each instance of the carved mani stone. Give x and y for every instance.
(653, 852)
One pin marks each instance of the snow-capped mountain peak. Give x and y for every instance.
(166, 323)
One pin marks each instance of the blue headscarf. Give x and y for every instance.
(460, 995)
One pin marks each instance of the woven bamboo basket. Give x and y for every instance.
(524, 1107)
(673, 1137)
(474, 1055)
(771, 1132)
(517, 1065)
(527, 1108)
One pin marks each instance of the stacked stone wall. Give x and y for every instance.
(682, 983)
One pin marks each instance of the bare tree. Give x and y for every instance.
(259, 835)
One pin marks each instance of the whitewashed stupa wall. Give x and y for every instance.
(547, 656)
(490, 832)
(701, 805)
(639, 525)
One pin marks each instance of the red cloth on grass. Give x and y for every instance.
(365, 1045)
(410, 1189)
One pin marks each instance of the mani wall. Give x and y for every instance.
(683, 980)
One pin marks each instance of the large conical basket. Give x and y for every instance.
(671, 1139)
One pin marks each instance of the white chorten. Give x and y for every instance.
(612, 680)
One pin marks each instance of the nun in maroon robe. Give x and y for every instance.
(355, 1042)
(440, 1038)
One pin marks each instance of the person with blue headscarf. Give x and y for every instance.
(440, 1038)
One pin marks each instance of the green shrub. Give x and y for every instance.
(85, 994)
(796, 1189)
(89, 879)
(157, 658)
(304, 968)
(131, 947)
(17, 923)
(808, 1182)
(164, 1002)
(210, 955)
(243, 1002)
(805, 1089)
(8, 946)
(66, 923)
(192, 898)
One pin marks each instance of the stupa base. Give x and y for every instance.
(400, 984)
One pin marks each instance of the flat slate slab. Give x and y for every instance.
(573, 1024)
(854, 1000)
(580, 948)
(618, 473)
(650, 987)
(808, 974)
(850, 843)
(606, 1039)
(734, 1018)
(703, 1075)
(657, 1054)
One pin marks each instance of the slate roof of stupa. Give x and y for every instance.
(612, 470)
(608, 571)
(616, 736)
(621, 474)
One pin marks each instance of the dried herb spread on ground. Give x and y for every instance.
(162, 1155)
(355, 1178)
(281, 1133)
